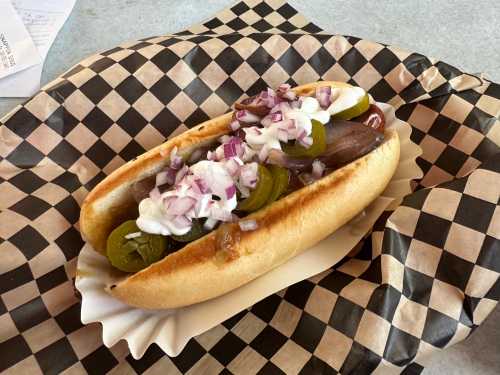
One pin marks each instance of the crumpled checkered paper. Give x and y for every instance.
(424, 279)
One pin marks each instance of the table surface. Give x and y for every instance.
(463, 33)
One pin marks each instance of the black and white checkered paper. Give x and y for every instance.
(424, 279)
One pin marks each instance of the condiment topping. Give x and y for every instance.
(130, 250)
(207, 189)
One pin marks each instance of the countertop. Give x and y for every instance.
(462, 33)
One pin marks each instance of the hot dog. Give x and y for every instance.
(234, 197)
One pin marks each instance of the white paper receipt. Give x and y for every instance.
(43, 19)
(17, 49)
(38, 23)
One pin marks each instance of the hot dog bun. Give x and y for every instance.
(285, 228)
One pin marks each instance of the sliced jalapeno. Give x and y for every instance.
(259, 196)
(318, 146)
(356, 110)
(135, 253)
(280, 182)
(194, 233)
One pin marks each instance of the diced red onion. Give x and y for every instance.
(247, 116)
(247, 225)
(180, 206)
(295, 104)
(276, 108)
(245, 192)
(276, 116)
(210, 155)
(229, 150)
(323, 95)
(317, 169)
(284, 87)
(232, 166)
(236, 140)
(264, 151)
(302, 133)
(269, 97)
(204, 189)
(285, 92)
(230, 191)
(283, 107)
(191, 212)
(224, 139)
(171, 173)
(248, 153)
(231, 147)
(274, 101)
(283, 135)
(215, 176)
(239, 149)
(305, 141)
(201, 206)
(219, 153)
(266, 121)
(249, 175)
(181, 173)
(155, 194)
(219, 213)
(210, 223)
(181, 221)
(167, 200)
(132, 235)
(289, 95)
(281, 124)
(196, 188)
(253, 130)
(234, 125)
(292, 125)
(240, 133)
(175, 160)
(161, 178)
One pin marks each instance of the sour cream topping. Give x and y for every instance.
(343, 98)
(154, 219)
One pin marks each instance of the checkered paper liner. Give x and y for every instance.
(424, 279)
(172, 329)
